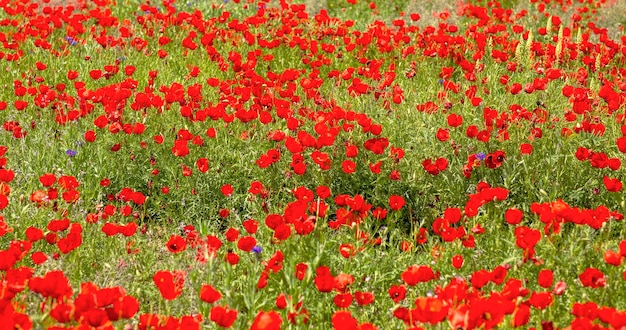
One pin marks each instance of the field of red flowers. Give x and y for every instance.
(361, 165)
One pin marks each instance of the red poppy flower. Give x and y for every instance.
(176, 244)
(256, 187)
(621, 144)
(180, 148)
(105, 182)
(63, 312)
(227, 190)
(457, 261)
(71, 196)
(346, 250)
(58, 225)
(480, 278)
(223, 316)
(521, 315)
(363, 298)
(348, 166)
(342, 281)
(421, 236)
(587, 310)
(51, 238)
(39, 197)
(452, 214)
(376, 145)
(540, 300)
(267, 321)
(322, 192)
(47, 180)
(273, 220)
(224, 213)
(301, 269)
(246, 243)
(379, 213)
(231, 234)
(526, 238)
(232, 258)
(68, 182)
(495, 159)
(34, 234)
(526, 149)
(128, 229)
(213, 244)
(545, 278)
(455, 120)
(612, 184)
(95, 74)
(397, 292)
(125, 307)
(613, 258)
(251, 226)
(592, 278)
(324, 281)
(170, 284)
(429, 310)
(417, 274)
(262, 282)
(351, 151)
(203, 165)
(281, 301)
(376, 168)
(19, 105)
(443, 134)
(513, 216)
(186, 170)
(342, 300)
(71, 74)
(396, 202)
(343, 320)
(441, 164)
(72, 241)
(38, 257)
(282, 232)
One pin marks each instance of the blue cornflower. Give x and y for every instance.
(71, 152)
(481, 156)
(71, 40)
(257, 249)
